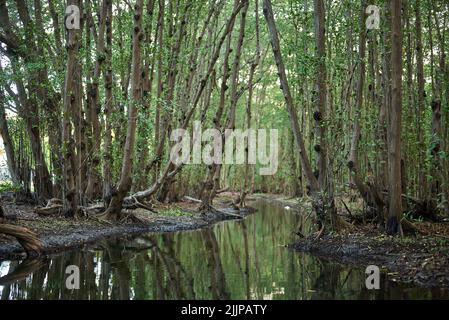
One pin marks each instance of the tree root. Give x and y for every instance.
(136, 204)
(341, 224)
(27, 238)
(408, 226)
(127, 216)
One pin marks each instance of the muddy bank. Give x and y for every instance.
(421, 261)
(58, 234)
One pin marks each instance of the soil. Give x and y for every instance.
(58, 233)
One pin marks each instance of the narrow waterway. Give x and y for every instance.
(244, 259)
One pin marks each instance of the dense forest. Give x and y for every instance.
(91, 92)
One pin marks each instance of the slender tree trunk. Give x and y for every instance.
(109, 104)
(268, 12)
(421, 99)
(353, 162)
(7, 142)
(253, 67)
(321, 89)
(115, 206)
(395, 122)
(93, 189)
(71, 200)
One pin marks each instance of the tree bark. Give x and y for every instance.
(115, 206)
(395, 122)
(268, 13)
(7, 142)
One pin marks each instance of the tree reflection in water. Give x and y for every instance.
(244, 259)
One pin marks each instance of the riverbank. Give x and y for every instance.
(421, 259)
(58, 233)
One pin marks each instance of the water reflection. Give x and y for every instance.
(233, 260)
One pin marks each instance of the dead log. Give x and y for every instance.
(49, 211)
(54, 201)
(97, 208)
(192, 199)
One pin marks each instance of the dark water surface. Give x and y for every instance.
(233, 260)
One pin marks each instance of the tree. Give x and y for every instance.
(115, 206)
(395, 122)
(319, 188)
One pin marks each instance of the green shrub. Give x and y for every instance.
(7, 186)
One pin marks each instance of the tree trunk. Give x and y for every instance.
(395, 122)
(420, 101)
(268, 13)
(108, 83)
(7, 142)
(93, 189)
(323, 201)
(71, 106)
(115, 206)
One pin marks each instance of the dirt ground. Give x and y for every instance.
(58, 233)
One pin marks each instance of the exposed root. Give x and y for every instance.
(99, 207)
(127, 216)
(137, 204)
(192, 199)
(341, 224)
(408, 226)
(318, 234)
(27, 238)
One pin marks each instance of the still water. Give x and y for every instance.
(245, 259)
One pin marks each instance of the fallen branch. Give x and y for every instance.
(192, 199)
(347, 209)
(222, 190)
(48, 211)
(227, 213)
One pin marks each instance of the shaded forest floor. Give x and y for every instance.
(58, 233)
